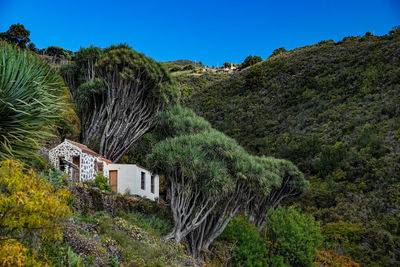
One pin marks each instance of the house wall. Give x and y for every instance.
(67, 151)
(147, 191)
(129, 179)
(87, 170)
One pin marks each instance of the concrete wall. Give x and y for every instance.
(129, 179)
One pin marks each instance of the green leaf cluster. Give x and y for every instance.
(33, 103)
(293, 236)
(290, 238)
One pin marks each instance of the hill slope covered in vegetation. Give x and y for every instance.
(334, 110)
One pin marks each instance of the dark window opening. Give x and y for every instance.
(152, 184)
(61, 164)
(143, 184)
(99, 166)
(76, 161)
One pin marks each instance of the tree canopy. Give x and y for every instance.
(118, 93)
(17, 35)
(58, 52)
(278, 51)
(249, 61)
(210, 178)
(177, 120)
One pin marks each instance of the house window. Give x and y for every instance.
(76, 161)
(152, 184)
(143, 182)
(61, 164)
(99, 166)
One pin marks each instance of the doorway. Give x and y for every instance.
(113, 180)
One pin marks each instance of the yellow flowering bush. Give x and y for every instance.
(28, 204)
(13, 253)
(29, 207)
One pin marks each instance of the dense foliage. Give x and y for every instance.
(28, 204)
(278, 51)
(293, 238)
(118, 93)
(58, 52)
(188, 83)
(210, 178)
(289, 239)
(33, 103)
(249, 247)
(17, 35)
(102, 182)
(31, 210)
(250, 60)
(333, 110)
(177, 120)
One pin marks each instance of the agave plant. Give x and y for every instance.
(32, 99)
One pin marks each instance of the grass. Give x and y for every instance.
(151, 224)
(139, 247)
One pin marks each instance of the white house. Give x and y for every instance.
(82, 164)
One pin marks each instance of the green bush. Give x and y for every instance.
(250, 249)
(293, 237)
(33, 102)
(102, 182)
(189, 67)
(55, 177)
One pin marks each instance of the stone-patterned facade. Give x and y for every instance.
(67, 151)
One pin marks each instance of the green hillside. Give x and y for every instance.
(310, 177)
(182, 62)
(334, 110)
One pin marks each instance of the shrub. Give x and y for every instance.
(28, 205)
(55, 177)
(159, 209)
(292, 236)
(342, 232)
(250, 249)
(102, 182)
(189, 67)
(250, 60)
(149, 222)
(13, 253)
(331, 258)
(30, 209)
(33, 102)
(278, 51)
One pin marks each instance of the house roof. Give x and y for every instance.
(142, 167)
(84, 148)
(89, 151)
(107, 161)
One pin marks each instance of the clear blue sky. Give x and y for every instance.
(211, 31)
